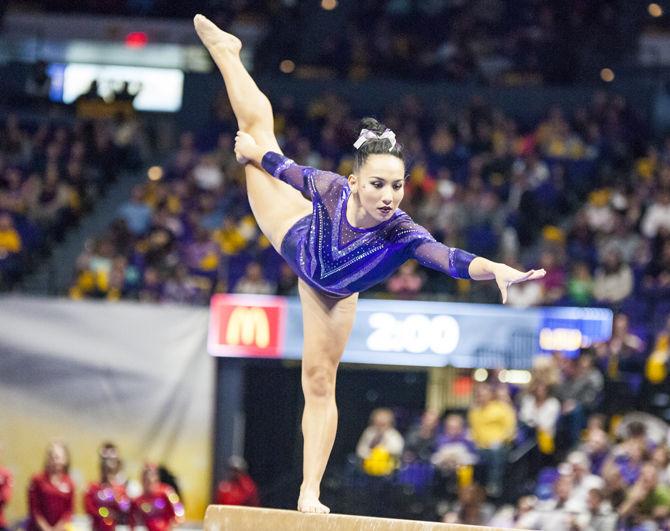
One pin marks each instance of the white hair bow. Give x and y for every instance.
(366, 135)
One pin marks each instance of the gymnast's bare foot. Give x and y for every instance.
(212, 36)
(309, 503)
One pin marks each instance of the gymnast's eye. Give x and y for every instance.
(397, 186)
(377, 184)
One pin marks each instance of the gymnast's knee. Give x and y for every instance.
(318, 381)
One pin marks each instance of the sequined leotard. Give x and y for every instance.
(331, 255)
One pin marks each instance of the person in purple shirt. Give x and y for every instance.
(341, 235)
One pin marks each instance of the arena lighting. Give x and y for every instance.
(607, 75)
(480, 375)
(287, 66)
(514, 377)
(655, 10)
(136, 39)
(155, 173)
(328, 5)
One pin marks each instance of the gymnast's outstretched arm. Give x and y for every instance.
(461, 264)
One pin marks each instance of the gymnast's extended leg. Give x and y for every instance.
(327, 324)
(275, 204)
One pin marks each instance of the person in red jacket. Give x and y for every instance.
(51, 492)
(5, 494)
(106, 501)
(158, 507)
(238, 488)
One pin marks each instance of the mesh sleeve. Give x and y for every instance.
(304, 178)
(450, 260)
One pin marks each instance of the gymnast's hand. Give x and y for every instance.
(246, 149)
(506, 276)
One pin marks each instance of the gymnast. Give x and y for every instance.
(348, 236)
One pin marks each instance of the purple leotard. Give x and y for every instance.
(334, 257)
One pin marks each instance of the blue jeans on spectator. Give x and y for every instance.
(495, 461)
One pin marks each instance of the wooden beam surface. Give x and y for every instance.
(232, 518)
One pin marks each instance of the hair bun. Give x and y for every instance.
(373, 125)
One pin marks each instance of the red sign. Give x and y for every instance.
(246, 326)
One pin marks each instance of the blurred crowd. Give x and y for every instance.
(493, 41)
(51, 174)
(546, 455)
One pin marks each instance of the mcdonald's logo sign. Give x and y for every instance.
(246, 326)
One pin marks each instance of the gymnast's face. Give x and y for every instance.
(380, 185)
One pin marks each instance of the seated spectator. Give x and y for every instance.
(380, 445)
(647, 501)
(407, 282)
(538, 415)
(136, 213)
(420, 439)
(657, 216)
(51, 492)
(523, 516)
(471, 507)
(582, 481)
(552, 514)
(237, 488)
(579, 392)
(287, 284)
(596, 446)
(553, 283)
(493, 426)
(656, 281)
(158, 508)
(621, 361)
(454, 448)
(580, 285)
(106, 501)
(598, 515)
(253, 281)
(613, 281)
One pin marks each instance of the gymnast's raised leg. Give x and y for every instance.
(275, 204)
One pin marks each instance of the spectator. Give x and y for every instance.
(538, 414)
(471, 508)
(598, 515)
(656, 368)
(158, 508)
(493, 426)
(136, 213)
(238, 488)
(647, 502)
(614, 280)
(553, 514)
(454, 448)
(254, 282)
(580, 285)
(51, 492)
(582, 481)
(420, 439)
(106, 501)
(657, 217)
(407, 282)
(6, 485)
(580, 391)
(380, 445)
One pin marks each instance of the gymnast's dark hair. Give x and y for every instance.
(375, 146)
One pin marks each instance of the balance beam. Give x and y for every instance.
(233, 518)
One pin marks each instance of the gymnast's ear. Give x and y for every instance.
(353, 182)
